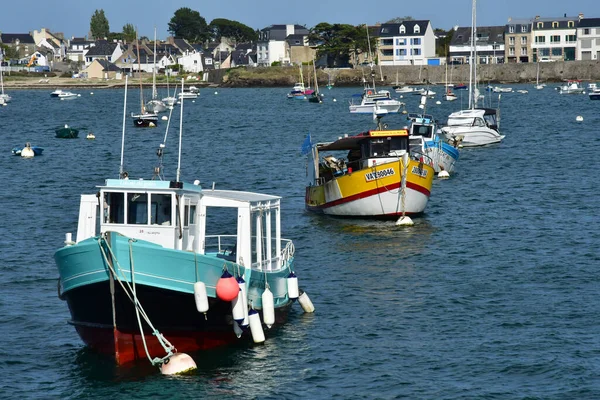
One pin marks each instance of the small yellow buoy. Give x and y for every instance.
(178, 363)
(151, 124)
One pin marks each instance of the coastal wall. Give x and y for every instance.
(411, 75)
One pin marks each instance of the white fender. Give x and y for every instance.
(200, 297)
(305, 302)
(256, 327)
(178, 363)
(244, 296)
(268, 308)
(292, 285)
(237, 308)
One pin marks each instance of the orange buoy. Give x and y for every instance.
(227, 287)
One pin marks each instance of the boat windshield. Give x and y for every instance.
(139, 208)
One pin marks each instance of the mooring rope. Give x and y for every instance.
(128, 290)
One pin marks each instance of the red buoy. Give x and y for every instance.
(227, 287)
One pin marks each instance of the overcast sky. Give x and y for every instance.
(72, 17)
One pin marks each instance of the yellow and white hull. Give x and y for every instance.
(374, 192)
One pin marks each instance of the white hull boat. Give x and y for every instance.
(471, 128)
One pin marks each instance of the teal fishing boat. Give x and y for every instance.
(156, 269)
(66, 132)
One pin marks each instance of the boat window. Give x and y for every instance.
(192, 215)
(186, 216)
(423, 130)
(161, 209)
(137, 208)
(381, 147)
(114, 210)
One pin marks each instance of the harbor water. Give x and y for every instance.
(493, 293)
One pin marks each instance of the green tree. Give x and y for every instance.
(10, 53)
(99, 25)
(338, 42)
(129, 33)
(190, 25)
(234, 30)
(398, 20)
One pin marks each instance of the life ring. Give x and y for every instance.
(369, 92)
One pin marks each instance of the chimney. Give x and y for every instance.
(580, 16)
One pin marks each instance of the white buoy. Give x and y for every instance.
(27, 152)
(193, 101)
(151, 124)
(443, 174)
(200, 297)
(91, 93)
(405, 221)
(305, 302)
(579, 118)
(178, 363)
(334, 100)
(256, 327)
(268, 308)
(292, 286)
(90, 136)
(216, 92)
(164, 118)
(438, 102)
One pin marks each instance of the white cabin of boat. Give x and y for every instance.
(174, 215)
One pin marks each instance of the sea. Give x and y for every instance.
(492, 294)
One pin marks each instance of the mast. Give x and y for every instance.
(143, 108)
(180, 133)
(123, 134)
(154, 94)
(473, 59)
(370, 57)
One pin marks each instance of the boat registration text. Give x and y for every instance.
(419, 171)
(371, 176)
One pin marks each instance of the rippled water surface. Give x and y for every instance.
(492, 294)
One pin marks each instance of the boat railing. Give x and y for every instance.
(225, 246)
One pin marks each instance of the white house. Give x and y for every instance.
(191, 62)
(554, 38)
(271, 45)
(406, 43)
(588, 39)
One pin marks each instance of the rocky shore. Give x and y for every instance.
(385, 75)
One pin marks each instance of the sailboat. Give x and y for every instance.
(315, 97)
(169, 101)
(474, 126)
(537, 78)
(144, 119)
(4, 98)
(449, 95)
(298, 92)
(155, 105)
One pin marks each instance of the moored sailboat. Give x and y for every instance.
(155, 105)
(144, 119)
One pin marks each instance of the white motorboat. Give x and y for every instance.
(187, 95)
(68, 95)
(372, 100)
(572, 87)
(56, 93)
(474, 127)
(5, 98)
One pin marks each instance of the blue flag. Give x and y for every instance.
(306, 145)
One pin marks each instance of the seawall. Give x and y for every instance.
(411, 75)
